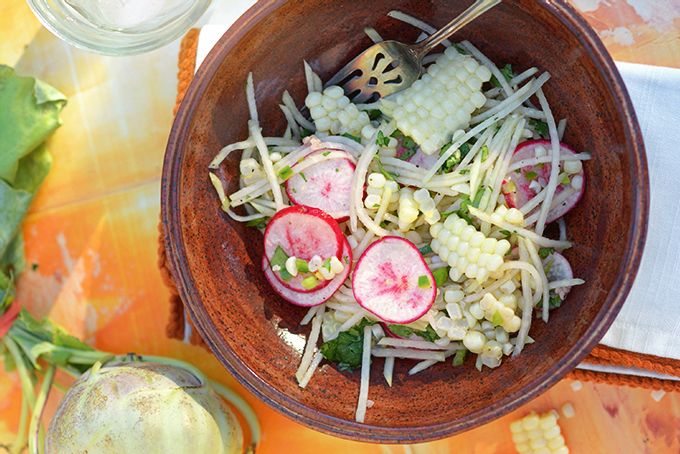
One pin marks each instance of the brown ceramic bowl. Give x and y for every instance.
(256, 335)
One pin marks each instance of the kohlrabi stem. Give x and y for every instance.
(242, 406)
(37, 437)
(100, 362)
(24, 377)
(20, 440)
(178, 364)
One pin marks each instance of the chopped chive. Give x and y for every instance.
(544, 252)
(326, 153)
(423, 282)
(565, 180)
(425, 249)
(459, 357)
(327, 264)
(302, 265)
(531, 175)
(346, 260)
(485, 153)
(286, 173)
(497, 319)
(310, 282)
(382, 141)
(303, 177)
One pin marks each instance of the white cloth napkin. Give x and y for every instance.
(648, 322)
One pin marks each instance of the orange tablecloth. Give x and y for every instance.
(93, 229)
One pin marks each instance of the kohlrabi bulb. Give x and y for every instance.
(143, 408)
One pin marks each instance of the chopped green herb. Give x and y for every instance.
(565, 179)
(544, 252)
(548, 266)
(325, 153)
(410, 146)
(347, 349)
(303, 177)
(429, 334)
(507, 74)
(464, 171)
(540, 165)
(440, 275)
(350, 136)
(540, 127)
(460, 51)
(34, 266)
(310, 282)
(455, 158)
(554, 301)
(387, 175)
(346, 260)
(382, 141)
(505, 232)
(257, 223)
(279, 260)
(327, 264)
(459, 357)
(294, 190)
(518, 170)
(376, 205)
(497, 319)
(286, 173)
(374, 114)
(510, 186)
(425, 249)
(424, 282)
(305, 133)
(485, 153)
(302, 265)
(401, 330)
(531, 175)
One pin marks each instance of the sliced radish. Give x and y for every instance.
(386, 281)
(414, 154)
(558, 269)
(319, 294)
(522, 185)
(325, 185)
(302, 232)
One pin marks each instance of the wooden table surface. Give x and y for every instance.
(93, 233)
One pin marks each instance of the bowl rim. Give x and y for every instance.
(306, 416)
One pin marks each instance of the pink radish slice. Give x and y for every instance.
(318, 295)
(303, 232)
(385, 281)
(558, 269)
(521, 193)
(325, 185)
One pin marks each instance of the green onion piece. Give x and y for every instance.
(510, 186)
(565, 180)
(326, 153)
(401, 330)
(459, 357)
(485, 153)
(531, 175)
(327, 264)
(440, 275)
(425, 249)
(286, 173)
(497, 319)
(310, 282)
(302, 265)
(303, 177)
(382, 141)
(423, 282)
(544, 252)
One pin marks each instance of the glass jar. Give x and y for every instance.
(118, 27)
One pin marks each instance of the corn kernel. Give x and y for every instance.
(530, 422)
(377, 180)
(556, 442)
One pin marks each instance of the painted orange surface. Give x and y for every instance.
(93, 231)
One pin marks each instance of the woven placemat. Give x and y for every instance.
(600, 355)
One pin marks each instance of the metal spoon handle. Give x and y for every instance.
(474, 11)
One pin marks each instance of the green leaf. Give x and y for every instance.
(507, 74)
(374, 114)
(302, 265)
(429, 334)
(424, 282)
(347, 349)
(259, 223)
(425, 249)
(305, 133)
(382, 141)
(485, 153)
(29, 113)
(350, 136)
(279, 259)
(540, 127)
(410, 146)
(401, 330)
(440, 275)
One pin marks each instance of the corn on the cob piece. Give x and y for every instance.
(441, 101)
(467, 250)
(333, 113)
(538, 434)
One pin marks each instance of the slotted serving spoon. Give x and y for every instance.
(391, 66)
